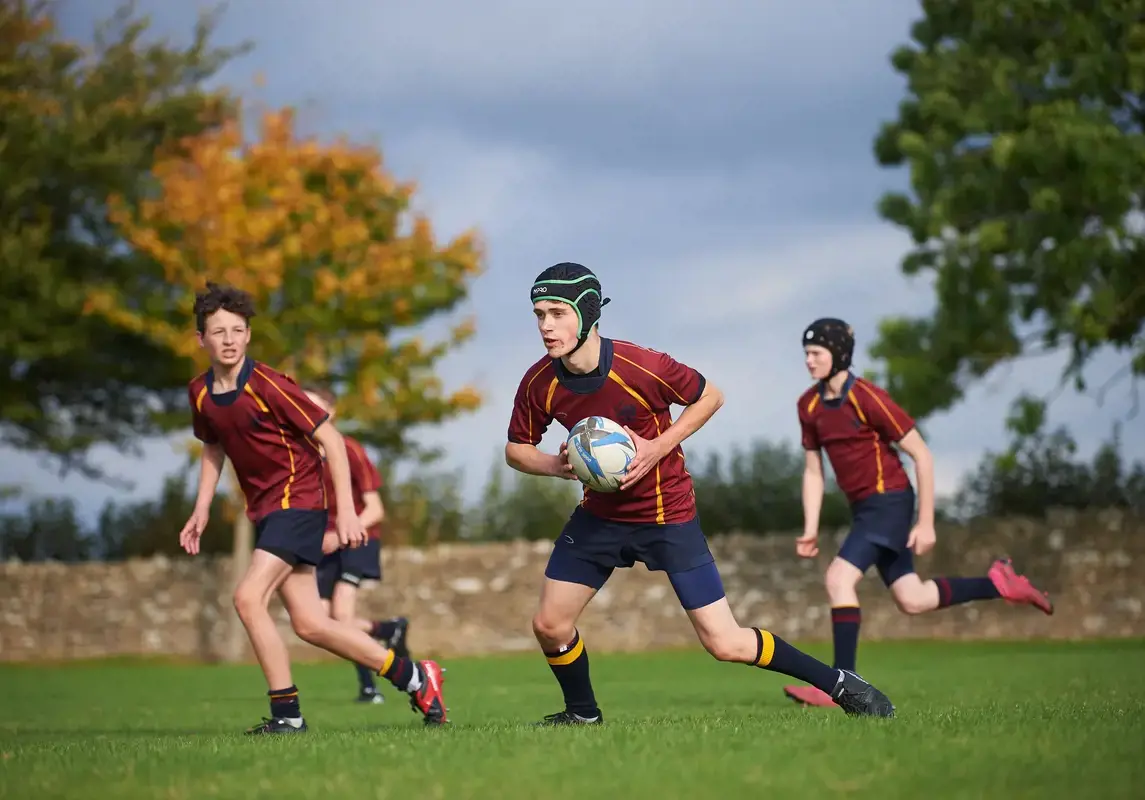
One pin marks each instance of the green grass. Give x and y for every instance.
(1033, 720)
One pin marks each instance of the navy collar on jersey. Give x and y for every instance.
(835, 402)
(586, 384)
(227, 398)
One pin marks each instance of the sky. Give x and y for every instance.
(711, 162)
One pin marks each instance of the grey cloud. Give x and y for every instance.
(639, 84)
(589, 47)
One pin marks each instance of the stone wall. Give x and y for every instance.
(479, 598)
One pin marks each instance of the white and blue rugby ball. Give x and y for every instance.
(600, 451)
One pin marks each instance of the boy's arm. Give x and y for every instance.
(895, 425)
(349, 531)
(374, 512)
(527, 424)
(913, 445)
(813, 482)
(649, 452)
(667, 382)
(528, 459)
(692, 418)
(365, 483)
(210, 471)
(813, 485)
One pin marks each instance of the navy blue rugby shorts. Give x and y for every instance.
(292, 534)
(589, 548)
(880, 529)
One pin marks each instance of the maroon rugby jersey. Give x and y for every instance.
(364, 478)
(857, 431)
(265, 427)
(633, 386)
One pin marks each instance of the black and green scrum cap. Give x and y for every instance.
(573, 284)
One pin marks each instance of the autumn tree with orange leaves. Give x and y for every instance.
(325, 239)
(326, 242)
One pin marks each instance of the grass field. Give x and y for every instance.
(981, 720)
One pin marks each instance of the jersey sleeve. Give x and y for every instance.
(374, 478)
(200, 426)
(883, 413)
(363, 473)
(529, 420)
(289, 403)
(670, 382)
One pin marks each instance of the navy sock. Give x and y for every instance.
(284, 703)
(384, 629)
(845, 621)
(570, 667)
(365, 677)
(399, 671)
(953, 591)
(778, 656)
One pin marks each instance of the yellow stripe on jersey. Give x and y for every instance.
(549, 396)
(879, 485)
(289, 399)
(883, 406)
(640, 399)
(528, 393)
(651, 374)
(289, 450)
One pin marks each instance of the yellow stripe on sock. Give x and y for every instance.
(768, 649)
(569, 657)
(389, 662)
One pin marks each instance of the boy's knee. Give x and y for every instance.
(910, 602)
(248, 600)
(841, 579)
(310, 628)
(341, 612)
(550, 630)
(722, 647)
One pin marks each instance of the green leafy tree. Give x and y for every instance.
(48, 530)
(759, 490)
(144, 528)
(338, 262)
(518, 506)
(424, 509)
(80, 125)
(328, 243)
(1040, 471)
(1023, 132)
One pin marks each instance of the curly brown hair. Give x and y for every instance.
(225, 298)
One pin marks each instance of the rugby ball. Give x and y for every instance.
(600, 451)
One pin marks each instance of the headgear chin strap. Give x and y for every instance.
(837, 337)
(576, 285)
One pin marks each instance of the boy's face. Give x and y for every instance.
(322, 404)
(225, 337)
(558, 324)
(818, 361)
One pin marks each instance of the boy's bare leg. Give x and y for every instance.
(264, 576)
(313, 624)
(343, 607)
